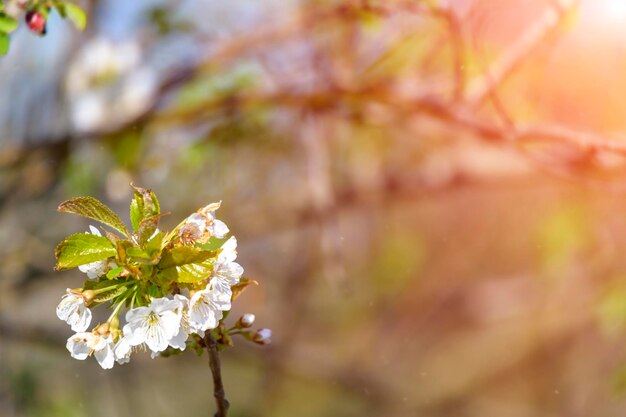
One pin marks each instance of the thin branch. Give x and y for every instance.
(216, 371)
(482, 88)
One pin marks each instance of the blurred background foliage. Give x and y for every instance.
(430, 194)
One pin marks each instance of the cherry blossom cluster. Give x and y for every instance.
(175, 289)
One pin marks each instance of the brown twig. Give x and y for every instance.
(216, 370)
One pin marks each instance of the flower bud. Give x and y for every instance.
(102, 329)
(262, 336)
(88, 295)
(36, 22)
(245, 321)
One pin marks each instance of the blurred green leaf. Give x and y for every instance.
(611, 309)
(4, 43)
(76, 15)
(398, 260)
(562, 235)
(83, 248)
(7, 23)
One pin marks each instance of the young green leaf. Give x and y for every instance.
(7, 23)
(135, 213)
(76, 15)
(115, 272)
(143, 206)
(182, 255)
(187, 271)
(195, 272)
(4, 43)
(153, 246)
(94, 209)
(146, 229)
(82, 248)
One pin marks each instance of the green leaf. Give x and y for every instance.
(94, 209)
(153, 246)
(144, 206)
(115, 272)
(214, 243)
(195, 272)
(60, 8)
(7, 23)
(81, 249)
(76, 15)
(5, 41)
(182, 255)
(187, 264)
(146, 229)
(135, 214)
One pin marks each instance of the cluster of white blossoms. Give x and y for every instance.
(166, 321)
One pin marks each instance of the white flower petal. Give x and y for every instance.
(122, 351)
(73, 311)
(94, 231)
(105, 355)
(218, 229)
(228, 251)
(78, 345)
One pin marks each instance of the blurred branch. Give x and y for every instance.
(515, 55)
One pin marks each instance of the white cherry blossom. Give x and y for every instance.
(215, 227)
(200, 226)
(154, 325)
(205, 309)
(73, 310)
(82, 345)
(226, 271)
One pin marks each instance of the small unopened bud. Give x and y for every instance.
(245, 321)
(36, 22)
(262, 336)
(88, 295)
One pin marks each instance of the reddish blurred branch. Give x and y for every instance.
(514, 56)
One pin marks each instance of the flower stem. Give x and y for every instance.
(214, 363)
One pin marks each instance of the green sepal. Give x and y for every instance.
(82, 248)
(93, 208)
